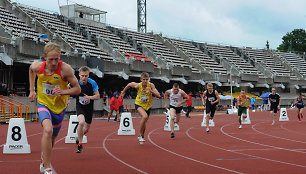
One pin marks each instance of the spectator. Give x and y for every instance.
(114, 106)
(253, 101)
(265, 103)
(121, 108)
(189, 105)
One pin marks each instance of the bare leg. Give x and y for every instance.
(47, 142)
(172, 116)
(80, 129)
(143, 121)
(118, 114)
(86, 128)
(239, 120)
(298, 114)
(109, 115)
(207, 120)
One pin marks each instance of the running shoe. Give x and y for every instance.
(273, 122)
(41, 167)
(79, 150)
(141, 139)
(240, 126)
(207, 130)
(48, 171)
(172, 134)
(299, 121)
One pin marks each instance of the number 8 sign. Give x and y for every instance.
(16, 140)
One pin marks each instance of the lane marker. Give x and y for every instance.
(252, 149)
(113, 156)
(297, 141)
(253, 156)
(188, 158)
(281, 148)
(23, 161)
(234, 159)
(282, 126)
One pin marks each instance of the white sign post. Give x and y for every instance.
(167, 123)
(72, 134)
(16, 140)
(283, 115)
(211, 122)
(126, 124)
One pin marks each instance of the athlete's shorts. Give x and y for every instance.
(211, 109)
(147, 111)
(177, 109)
(300, 106)
(56, 119)
(121, 109)
(86, 112)
(274, 109)
(242, 110)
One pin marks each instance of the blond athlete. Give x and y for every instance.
(143, 102)
(52, 94)
(243, 106)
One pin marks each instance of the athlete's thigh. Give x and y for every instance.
(172, 113)
(81, 118)
(142, 112)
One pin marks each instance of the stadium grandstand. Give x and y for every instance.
(118, 55)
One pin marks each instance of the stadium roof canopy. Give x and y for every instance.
(88, 10)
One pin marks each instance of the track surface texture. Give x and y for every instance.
(256, 148)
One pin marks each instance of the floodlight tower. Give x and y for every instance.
(141, 16)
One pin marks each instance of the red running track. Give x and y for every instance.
(256, 148)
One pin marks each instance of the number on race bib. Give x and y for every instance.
(126, 122)
(76, 126)
(16, 131)
(284, 113)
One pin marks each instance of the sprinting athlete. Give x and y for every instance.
(212, 99)
(299, 102)
(84, 104)
(177, 97)
(52, 94)
(143, 102)
(243, 106)
(274, 103)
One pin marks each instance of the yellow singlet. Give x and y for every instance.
(45, 86)
(144, 97)
(243, 101)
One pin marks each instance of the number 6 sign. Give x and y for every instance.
(126, 124)
(16, 140)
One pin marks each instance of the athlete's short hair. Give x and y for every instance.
(144, 75)
(175, 85)
(51, 47)
(210, 85)
(84, 69)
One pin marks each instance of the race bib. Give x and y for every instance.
(144, 99)
(48, 89)
(211, 99)
(243, 103)
(83, 101)
(273, 100)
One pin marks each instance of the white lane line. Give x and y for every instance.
(113, 156)
(253, 127)
(188, 158)
(240, 139)
(253, 156)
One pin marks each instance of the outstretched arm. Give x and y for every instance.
(204, 94)
(33, 70)
(166, 98)
(128, 86)
(185, 96)
(154, 90)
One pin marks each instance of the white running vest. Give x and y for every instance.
(175, 98)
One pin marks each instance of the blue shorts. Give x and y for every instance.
(56, 119)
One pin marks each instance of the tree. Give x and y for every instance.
(294, 41)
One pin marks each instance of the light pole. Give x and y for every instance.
(231, 87)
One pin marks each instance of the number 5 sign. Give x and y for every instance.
(126, 124)
(72, 134)
(16, 140)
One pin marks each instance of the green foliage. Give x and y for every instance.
(294, 41)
